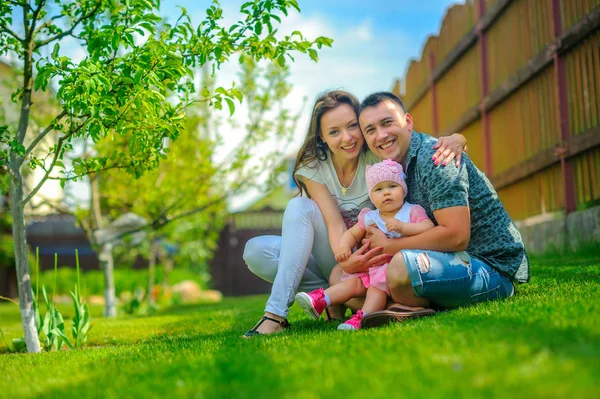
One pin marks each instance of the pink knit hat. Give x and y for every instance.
(387, 170)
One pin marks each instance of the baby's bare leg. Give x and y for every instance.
(376, 300)
(347, 289)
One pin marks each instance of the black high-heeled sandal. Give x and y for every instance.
(330, 319)
(250, 333)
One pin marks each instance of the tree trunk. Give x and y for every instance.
(17, 206)
(168, 266)
(151, 270)
(106, 255)
(22, 262)
(107, 265)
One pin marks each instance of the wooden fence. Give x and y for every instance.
(230, 275)
(521, 80)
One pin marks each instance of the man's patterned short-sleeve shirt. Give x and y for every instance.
(494, 237)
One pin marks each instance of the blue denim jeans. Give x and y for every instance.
(301, 259)
(450, 280)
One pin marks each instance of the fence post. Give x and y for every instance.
(560, 78)
(485, 90)
(434, 103)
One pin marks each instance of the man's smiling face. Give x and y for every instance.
(387, 130)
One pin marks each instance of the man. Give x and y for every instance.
(474, 253)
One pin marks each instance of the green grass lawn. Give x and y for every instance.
(543, 343)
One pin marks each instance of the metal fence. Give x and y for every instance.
(521, 80)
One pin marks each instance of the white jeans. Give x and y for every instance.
(301, 259)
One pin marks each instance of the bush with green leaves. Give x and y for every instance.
(126, 279)
(51, 326)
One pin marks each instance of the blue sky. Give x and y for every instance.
(373, 40)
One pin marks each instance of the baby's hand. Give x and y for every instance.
(342, 254)
(394, 225)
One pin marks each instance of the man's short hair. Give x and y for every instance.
(375, 99)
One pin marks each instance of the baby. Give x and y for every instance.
(393, 216)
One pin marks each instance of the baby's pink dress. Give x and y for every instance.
(376, 275)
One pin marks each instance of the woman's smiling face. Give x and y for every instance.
(341, 132)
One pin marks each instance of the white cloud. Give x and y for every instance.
(364, 32)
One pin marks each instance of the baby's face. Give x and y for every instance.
(388, 196)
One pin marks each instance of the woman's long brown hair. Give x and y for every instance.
(314, 148)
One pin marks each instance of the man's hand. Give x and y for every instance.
(377, 238)
(343, 253)
(395, 225)
(365, 258)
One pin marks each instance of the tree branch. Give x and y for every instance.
(70, 31)
(4, 28)
(194, 211)
(34, 18)
(89, 172)
(18, 3)
(47, 202)
(48, 23)
(35, 142)
(53, 163)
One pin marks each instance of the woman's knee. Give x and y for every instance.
(299, 207)
(397, 274)
(252, 250)
(255, 257)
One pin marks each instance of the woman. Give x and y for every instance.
(330, 172)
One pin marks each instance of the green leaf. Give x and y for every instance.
(281, 61)
(55, 51)
(231, 106)
(313, 55)
(64, 339)
(8, 347)
(19, 344)
(237, 94)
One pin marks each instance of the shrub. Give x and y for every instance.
(92, 282)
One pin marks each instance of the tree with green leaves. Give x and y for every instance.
(136, 82)
(190, 186)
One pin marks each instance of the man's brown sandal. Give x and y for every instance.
(284, 323)
(393, 315)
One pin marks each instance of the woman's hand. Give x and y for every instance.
(364, 258)
(448, 148)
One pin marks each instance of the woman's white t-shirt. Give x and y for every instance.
(357, 195)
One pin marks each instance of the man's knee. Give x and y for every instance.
(397, 274)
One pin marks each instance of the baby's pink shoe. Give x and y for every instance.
(353, 323)
(313, 302)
